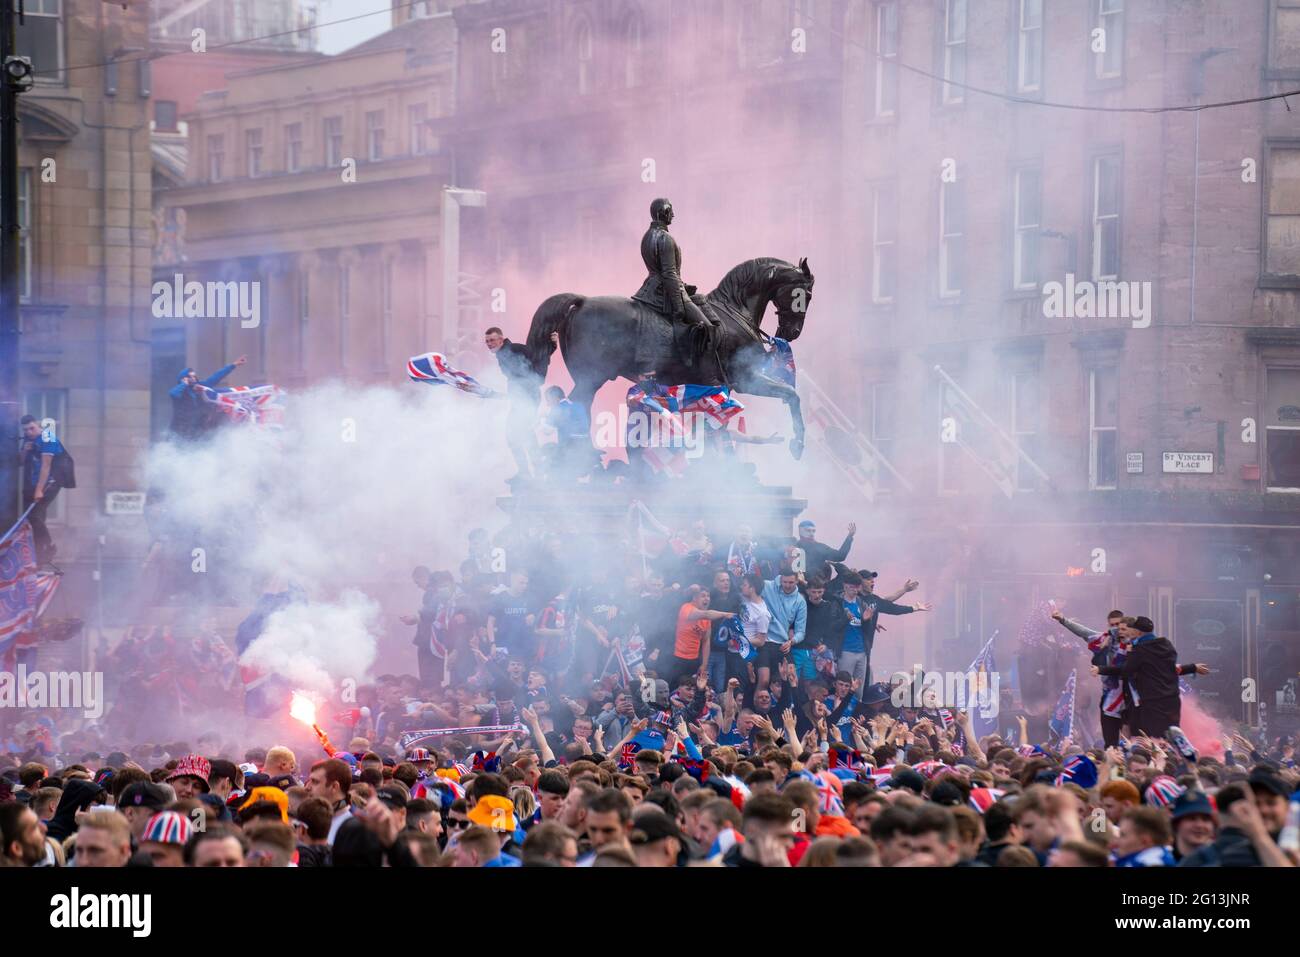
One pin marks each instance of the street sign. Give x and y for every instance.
(1189, 463)
(124, 503)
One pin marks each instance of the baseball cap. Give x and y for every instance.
(392, 797)
(1268, 780)
(143, 794)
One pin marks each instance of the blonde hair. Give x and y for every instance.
(524, 801)
(279, 755)
(103, 819)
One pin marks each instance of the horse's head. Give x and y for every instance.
(791, 294)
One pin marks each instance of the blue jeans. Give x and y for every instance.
(718, 669)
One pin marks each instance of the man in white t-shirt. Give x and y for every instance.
(756, 618)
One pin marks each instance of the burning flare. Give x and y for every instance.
(303, 709)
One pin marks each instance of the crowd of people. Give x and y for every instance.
(715, 706)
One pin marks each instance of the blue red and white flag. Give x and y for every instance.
(665, 428)
(433, 368)
(1079, 769)
(780, 362)
(984, 709)
(1062, 723)
(256, 404)
(981, 799)
(25, 593)
(266, 694)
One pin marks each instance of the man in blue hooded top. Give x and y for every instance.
(191, 415)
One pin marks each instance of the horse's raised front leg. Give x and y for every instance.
(766, 385)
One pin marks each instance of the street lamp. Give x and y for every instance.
(453, 198)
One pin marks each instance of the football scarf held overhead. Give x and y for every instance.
(410, 737)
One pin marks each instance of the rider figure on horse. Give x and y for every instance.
(663, 290)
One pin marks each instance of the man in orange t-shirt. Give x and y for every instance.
(691, 648)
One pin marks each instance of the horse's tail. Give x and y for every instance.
(551, 316)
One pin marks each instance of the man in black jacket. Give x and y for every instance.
(1150, 673)
(523, 387)
(816, 554)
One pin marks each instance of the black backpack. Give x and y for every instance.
(63, 470)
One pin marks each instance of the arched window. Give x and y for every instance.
(583, 49)
(633, 39)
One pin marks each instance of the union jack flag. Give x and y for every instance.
(670, 405)
(258, 404)
(433, 368)
(25, 593)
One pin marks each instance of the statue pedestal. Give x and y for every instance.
(601, 511)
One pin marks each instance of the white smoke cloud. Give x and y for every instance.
(358, 487)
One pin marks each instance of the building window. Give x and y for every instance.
(25, 235)
(951, 230)
(1103, 400)
(886, 59)
(1029, 48)
(634, 49)
(50, 407)
(164, 116)
(882, 430)
(584, 51)
(333, 141)
(884, 242)
(253, 151)
(216, 157)
(293, 148)
(1109, 62)
(1105, 217)
(40, 36)
(1282, 429)
(954, 50)
(1282, 213)
(417, 116)
(1284, 38)
(1028, 221)
(421, 9)
(1025, 410)
(345, 312)
(375, 135)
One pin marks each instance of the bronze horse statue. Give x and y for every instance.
(598, 337)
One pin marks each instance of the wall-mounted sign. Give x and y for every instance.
(1201, 463)
(124, 503)
(1134, 460)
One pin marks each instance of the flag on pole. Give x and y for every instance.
(984, 709)
(266, 694)
(433, 368)
(1062, 723)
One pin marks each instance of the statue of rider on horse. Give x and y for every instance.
(663, 289)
